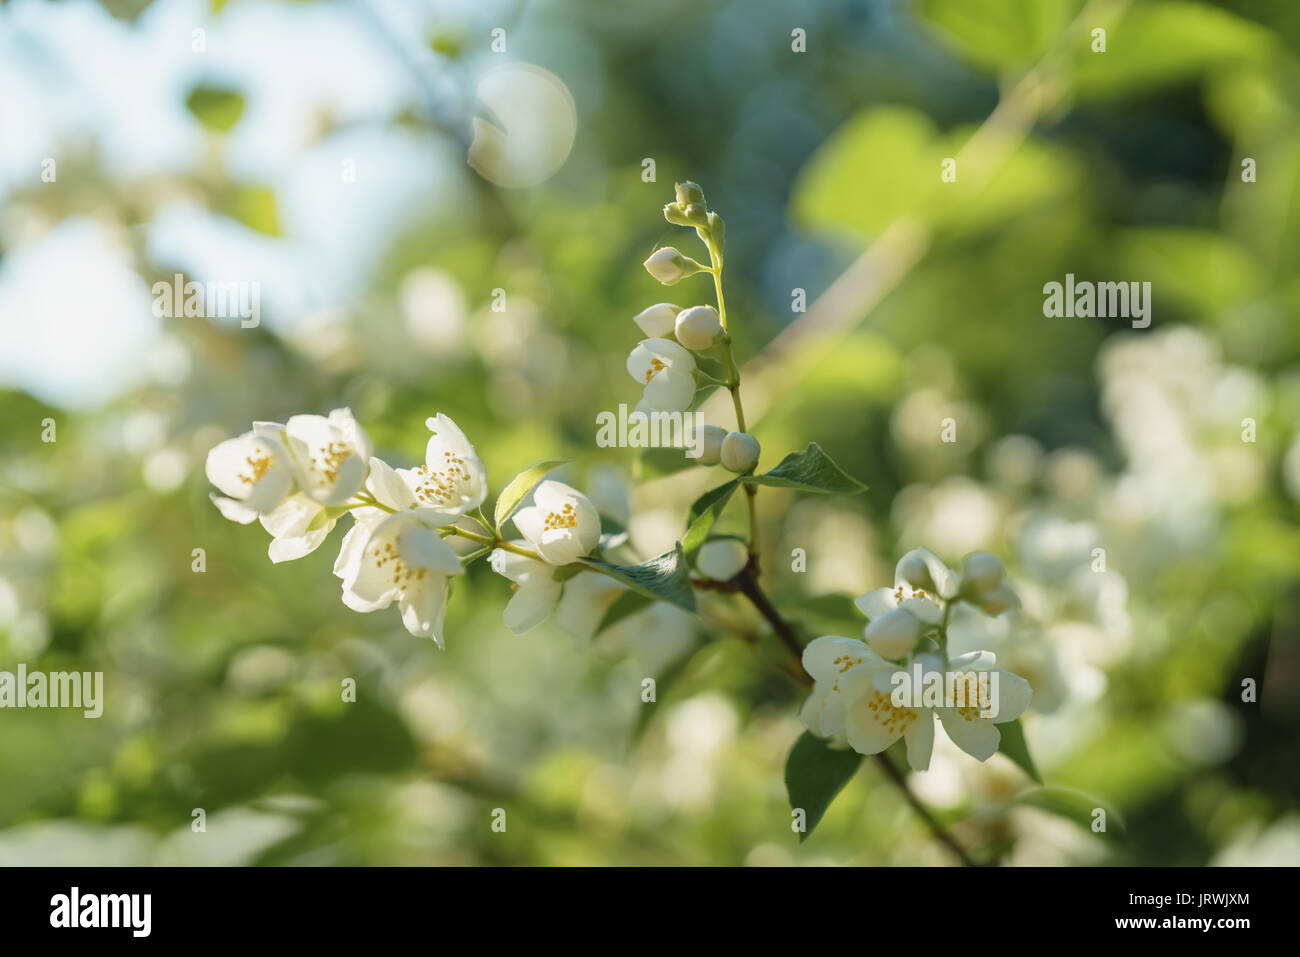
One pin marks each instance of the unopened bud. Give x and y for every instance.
(688, 193)
(739, 452)
(668, 265)
(675, 213)
(893, 634)
(717, 231)
(721, 559)
(707, 445)
(698, 327)
(982, 571)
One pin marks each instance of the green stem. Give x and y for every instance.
(733, 386)
(366, 499)
(492, 541)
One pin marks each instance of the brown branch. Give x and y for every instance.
(936, 828)
(748, 586)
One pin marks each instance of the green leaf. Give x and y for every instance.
(881, 166)
(814, 774)
(876, 168)
(704, 513)
(664, 577)
(628, 603)
(325, 516)
(216, 108)
(1161, 44)
(253, 205)
(811, 470)
(520, 486)
(1076, 806)
(1016, 748)
(993, 34)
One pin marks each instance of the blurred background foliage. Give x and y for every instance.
(229, 163)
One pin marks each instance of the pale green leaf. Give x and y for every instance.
(519, 487)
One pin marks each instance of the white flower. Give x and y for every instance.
(536, 590)
(984, 583)
(291, 528)
(667, 372)
(722, 558)
(668, 265)
(916, 602)
(330, 455)
(300, 525)
(923, 570)
(561, 524)
(739, 452)
(254, 470)
(400, 558)
(852, 695)
(698, 327)
(707, 442)
(975, 734)
(452, 478)
(898, 616)
(658, 320)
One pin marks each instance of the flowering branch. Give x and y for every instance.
(300, 477)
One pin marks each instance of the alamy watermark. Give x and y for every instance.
(55, 689)
(75, 909)
(1100, 300)
(240, 300)
(964, 690)
(650, 430)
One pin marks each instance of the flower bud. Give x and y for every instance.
(668, 265)
(688, 193)
(998, 600)
(739, 452)
(675, 213)
(893, 634)
(659, 320)
(912, 569)
(696, 215)
(923, 569)
(982, 571)
(707, 445)
(717, 231)
(721, 559)
(698, 327)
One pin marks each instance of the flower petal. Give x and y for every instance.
(977, 736)
(919, 737)
(868, 730)
(669, 391)
(235, 511)
(824, 658)
(531, 606)
(390, 486)
(1014, 695)
(876, 603)
(531, 522)
(425, 607)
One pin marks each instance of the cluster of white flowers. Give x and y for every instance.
(852, 701)
(299, 478)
